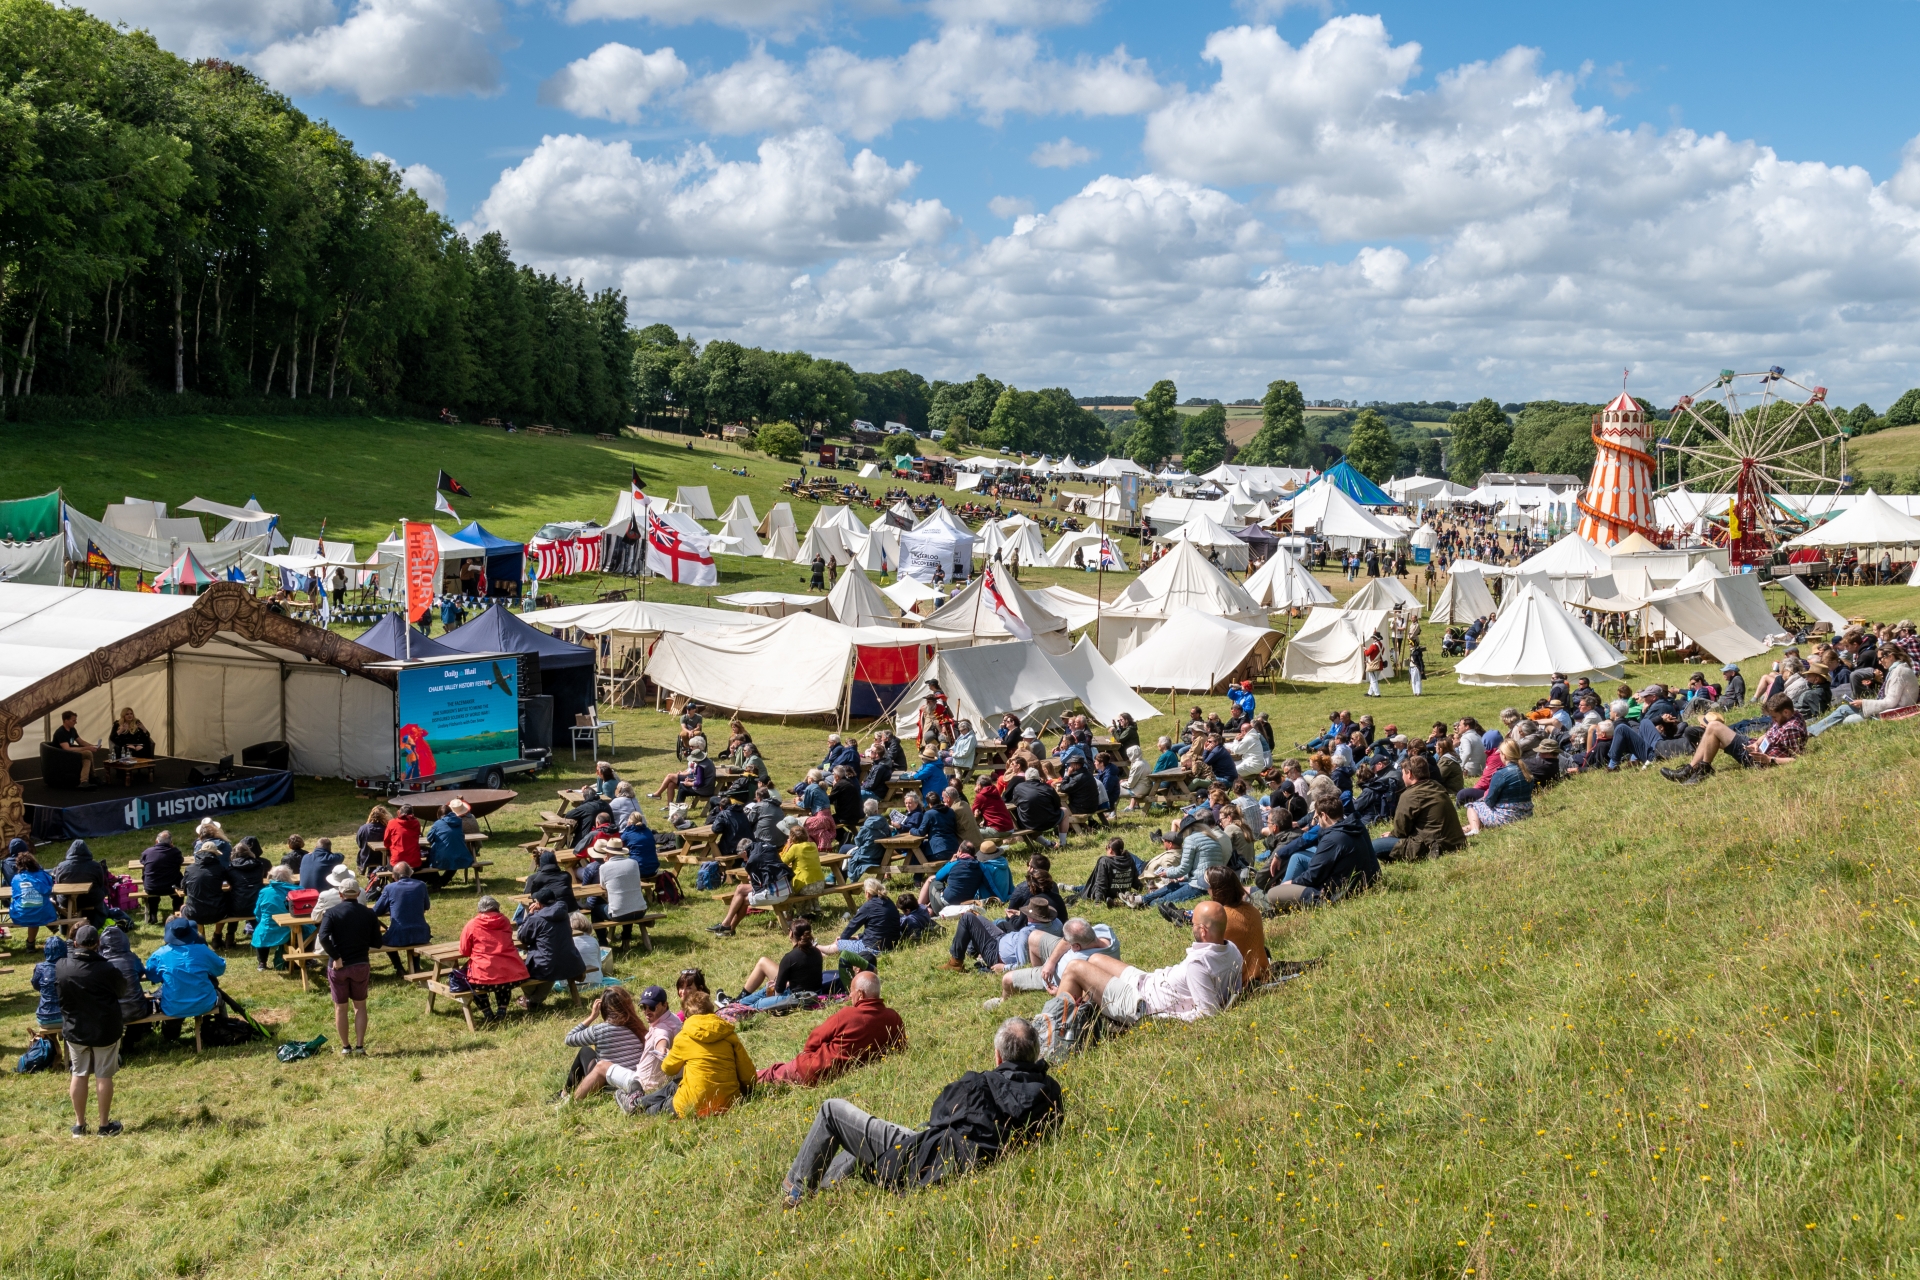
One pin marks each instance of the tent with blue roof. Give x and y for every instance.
(566, 670)
(1349, 481)
(386, 636)
(505, 560)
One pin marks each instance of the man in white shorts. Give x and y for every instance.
(1202, 984)
(90, 991)
(1050, 956)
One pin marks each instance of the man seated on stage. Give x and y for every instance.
(67, 738)
(1200, 985)
(1780, 744)
(129, 737)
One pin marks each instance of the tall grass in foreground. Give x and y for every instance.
(1654, 1031)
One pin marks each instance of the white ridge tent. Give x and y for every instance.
(1870, 522)
(775, 604)
(1463, 598)
(1571, 557)
(155, 554)
(779, 516)
(1284, 583)
(1740, 597)
(878, 549)
(736, 536)
(451, 548)
(985, 682)
(1222, 546)
(1087, 540)
(1813, 604)
(965, 613)
(1195, 652)
(1385, 593)
(908, 592)
(1079, 611)
(856, 602)
(1015, 539)
(34, 563)
(828, 541)
(741, 508)
(1327, 648)
(1182, 579)
(796, 666)
(1690, 612)
(1533, 638)
(698, 501)
(780, 545)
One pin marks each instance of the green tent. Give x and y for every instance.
(30, 519)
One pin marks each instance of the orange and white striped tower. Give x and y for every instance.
(1619, 496)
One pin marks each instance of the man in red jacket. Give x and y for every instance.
(863, 1030)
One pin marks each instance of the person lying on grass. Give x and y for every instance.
(1783, 741)
(863, 1030)
(974, 1120)
(1203, 983)
(1048, 956)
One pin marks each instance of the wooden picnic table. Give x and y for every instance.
(1175, 781)
(910, 846)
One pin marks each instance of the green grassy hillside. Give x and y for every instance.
(1897, 449)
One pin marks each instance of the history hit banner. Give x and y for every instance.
(458, 715)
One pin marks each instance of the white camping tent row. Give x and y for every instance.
(154, 552)
(1182, 579)
(985, 682)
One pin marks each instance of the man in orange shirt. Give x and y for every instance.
(865, 1029)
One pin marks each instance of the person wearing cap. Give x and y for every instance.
(446, 841)
(974, 1119)
(185, 968)
(90, 993)
(1241, 696)
(348, 933)
(405, 902)
(653, 1089)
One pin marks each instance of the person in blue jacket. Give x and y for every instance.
(270, 939)
(932, 777)
(185, 968)
(939, 827)
(641, 845)
(48, 1013)
(863, 852)
(404, 902)
(1241, 696)
(32, 904)
(446, 842)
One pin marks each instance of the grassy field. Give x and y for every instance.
(1897, 449)
(1654, 1031)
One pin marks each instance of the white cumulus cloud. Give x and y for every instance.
(783, 15)
(203, 28)
(593, 203)
(614, 82)
(1016, 13)
(963, 69)
(1064, 154)
(1010, 206)
(391, 51)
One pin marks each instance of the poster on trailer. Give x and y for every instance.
(457, 715)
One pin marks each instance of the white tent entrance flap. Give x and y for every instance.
(1463, 598)
(1328, 647)
(1816, 607)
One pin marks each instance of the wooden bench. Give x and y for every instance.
(444, 956)
(784, 912)
(604, 929)
(157, 1018)
(554, 828)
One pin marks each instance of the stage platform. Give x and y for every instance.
(167, 798)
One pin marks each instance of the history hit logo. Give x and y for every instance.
(185, 804)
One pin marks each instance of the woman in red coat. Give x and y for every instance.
(990, 808)
(403, 838)
(494, 965)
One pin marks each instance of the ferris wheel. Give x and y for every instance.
(1764, 438)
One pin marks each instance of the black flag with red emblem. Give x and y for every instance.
(448, 484)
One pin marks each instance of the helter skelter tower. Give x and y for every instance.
(1619, 496)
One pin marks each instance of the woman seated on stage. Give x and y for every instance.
(129, 737)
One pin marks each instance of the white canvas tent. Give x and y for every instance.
(1185, 578)
(935, 545)
(1085, 540)
(1079, 611)
(200, 702)
(1327, 648)
(1463, 598)
(1218, 541)
(451, 548)
(775, 604)
(779, 516)
(154, 554)
(737, 536)
(908, 592)
(37, 563)
(965, 613)
(741, 508)
(780, 545)
(985, 682)
(1324, 508)
(1284, 583)
(1195, 652)
(1813, 604)
(1385, 593)
(798, 665)
(856, 602)
(638, 619)
(1740, 597)
(1016, 536)
(828, 542)
(1870, 522)
(698, 501)
(878, 550)
(1533, 638)
(1571, 557)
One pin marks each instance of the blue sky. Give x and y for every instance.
(1403, 200)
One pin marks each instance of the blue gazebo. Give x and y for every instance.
(506, 561)
(1348, 480)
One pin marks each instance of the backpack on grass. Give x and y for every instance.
(667, 890)
(1064, 1031)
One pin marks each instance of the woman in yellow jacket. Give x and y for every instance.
(707, 1055)
(802, 857)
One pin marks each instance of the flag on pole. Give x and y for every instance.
(447, 484)
(676, 556)
(1109, 558)
(639, 487)
(444, 507)
(990, 593)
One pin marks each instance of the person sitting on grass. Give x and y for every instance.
(1899, 690)
(1341, 855)
(799, 972)
(1048, 956)
(915, 919)
(1246, 929)
(1115, 873)
(1425, 822)
(611, 1040)
(769, 883)
(999, 945)
(714, 1067)
(1201, 984)
(494, 967)
(269, 938)
(863, 1030)
(1783, 741)
(653, 1089)
(1200, 847)
(1509, 796)
(974, 1120)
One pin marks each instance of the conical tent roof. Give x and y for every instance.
(1463, 598)
(185, 571)
(1870, 522)
(1634, 544)
(1327, 509)
(1344, 476)
(741, 508)
(942, 518)
(1184, 577)
(967, 614)
(856, 602)
(1533, 639)
(781, 544)
(1385, 593)
(1571, 557)
(1284, 583)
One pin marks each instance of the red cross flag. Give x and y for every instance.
(990, 592)
(676, 556)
